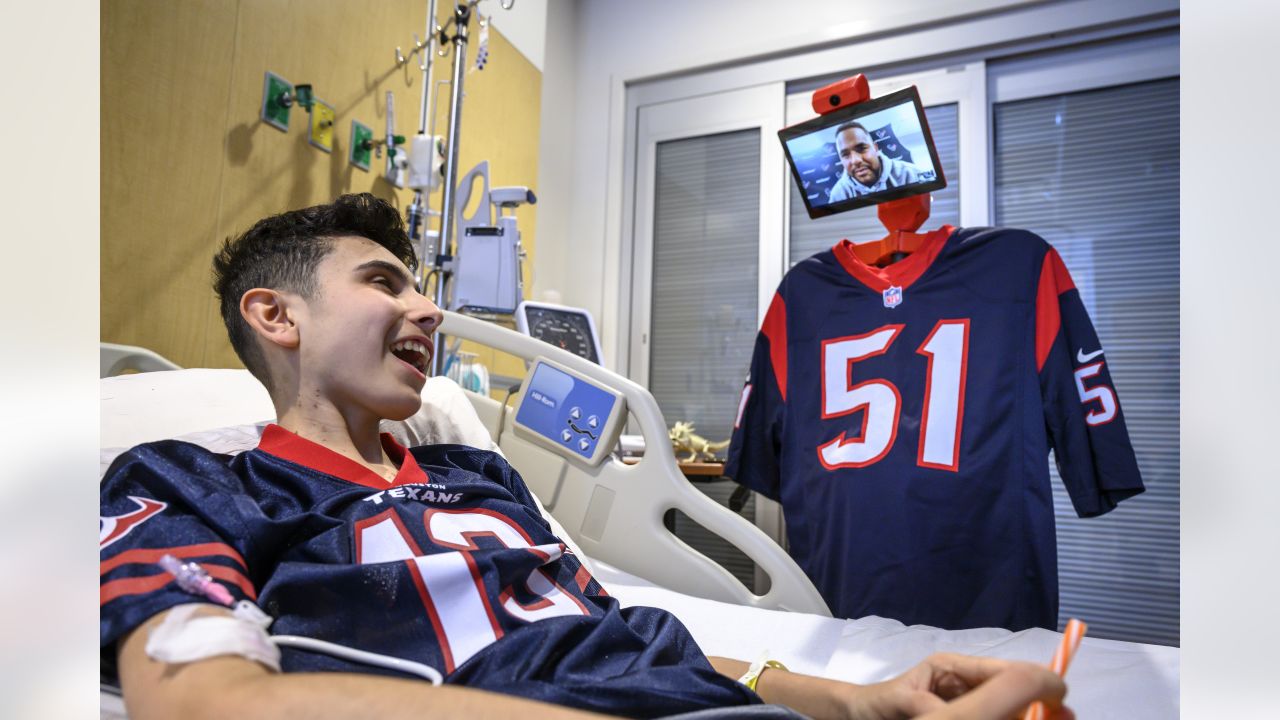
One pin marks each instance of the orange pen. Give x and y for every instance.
(1071, 637)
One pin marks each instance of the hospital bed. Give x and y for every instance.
(611, 515)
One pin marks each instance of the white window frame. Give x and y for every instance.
(758, 107)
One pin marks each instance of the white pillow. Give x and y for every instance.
(446, 415)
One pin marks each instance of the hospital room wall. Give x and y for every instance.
(186, 161)
(594, 47)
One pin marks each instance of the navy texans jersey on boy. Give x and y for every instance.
(902, 416)
(450, 565)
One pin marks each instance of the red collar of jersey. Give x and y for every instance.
(902, 273)
(290, 446)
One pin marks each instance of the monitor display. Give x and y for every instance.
(568, 328)
(863, 154)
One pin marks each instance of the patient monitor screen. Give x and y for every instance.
(863, 154)
(567, 328)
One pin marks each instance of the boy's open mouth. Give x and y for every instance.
(414, 352)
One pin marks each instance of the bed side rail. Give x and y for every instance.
(615, 511)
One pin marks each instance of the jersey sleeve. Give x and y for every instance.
(167, 498)
(756, 443)
(1082, 410)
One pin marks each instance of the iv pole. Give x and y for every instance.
(462, 18)
(418, 211)
(443, 248)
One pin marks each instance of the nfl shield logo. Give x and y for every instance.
(893, 297)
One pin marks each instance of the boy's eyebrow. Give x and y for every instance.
(392, 268)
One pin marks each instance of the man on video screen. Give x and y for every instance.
(866, 169)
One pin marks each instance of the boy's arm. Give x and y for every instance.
(943, 687)
(230, 686)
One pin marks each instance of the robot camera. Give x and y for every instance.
(849, 91)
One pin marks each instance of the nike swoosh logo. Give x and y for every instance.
(111, 529)
(1086, 358)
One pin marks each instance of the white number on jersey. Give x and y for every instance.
(450, 585)
(1105, 396)
(879, 399)
(947, 349)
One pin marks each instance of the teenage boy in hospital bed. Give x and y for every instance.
(458, 571)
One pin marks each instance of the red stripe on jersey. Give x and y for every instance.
(775, 330)
(1054, 280)
(152, 557)
(150, 583)
(582, 577)
(902, 273)
(234, 577)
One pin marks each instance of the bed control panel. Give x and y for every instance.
(569, 413)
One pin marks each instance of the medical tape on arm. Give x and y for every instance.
(184, 638)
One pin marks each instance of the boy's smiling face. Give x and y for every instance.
(365, 337)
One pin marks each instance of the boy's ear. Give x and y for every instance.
(269, 314)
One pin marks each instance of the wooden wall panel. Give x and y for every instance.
(186, 162)
(166, 69)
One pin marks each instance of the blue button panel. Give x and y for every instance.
(566, 410)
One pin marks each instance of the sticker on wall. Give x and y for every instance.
(361, 145)
(277, 97)
(322, 117)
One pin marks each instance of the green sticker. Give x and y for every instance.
(274, 113)
(361, 145)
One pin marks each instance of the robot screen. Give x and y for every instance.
(863, 154)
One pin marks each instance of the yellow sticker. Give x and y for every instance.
(322, 118)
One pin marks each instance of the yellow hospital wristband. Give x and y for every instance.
(752, 677)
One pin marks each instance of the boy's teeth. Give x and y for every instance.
(410, 345)
(418, 358)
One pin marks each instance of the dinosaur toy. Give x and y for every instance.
(683, 439)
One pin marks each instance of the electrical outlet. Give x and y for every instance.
(275, 113)
(322, 118)
(361, 145)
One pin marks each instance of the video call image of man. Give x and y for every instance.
(866, 169)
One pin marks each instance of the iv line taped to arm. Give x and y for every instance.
(183, 637)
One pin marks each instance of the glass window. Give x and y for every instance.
(705, 276)
(1096, 174)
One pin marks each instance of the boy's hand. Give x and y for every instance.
(947, 686)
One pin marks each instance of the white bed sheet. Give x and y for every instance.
(1107, 678)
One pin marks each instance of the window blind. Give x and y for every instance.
(1096, 174)
(705, 256)
(703, 322)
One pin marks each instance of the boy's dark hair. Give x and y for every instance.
(282, 252)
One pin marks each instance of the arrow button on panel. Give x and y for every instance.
(565, 435)
(584, 444)
(575, 413)
(593, 422)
